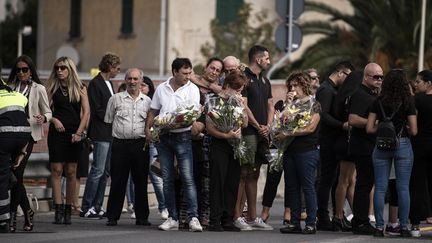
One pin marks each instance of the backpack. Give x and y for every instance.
(387, 138)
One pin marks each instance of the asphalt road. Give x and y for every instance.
(94, 231)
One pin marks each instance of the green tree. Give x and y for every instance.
(9, 33)
(236, 37)
(382, 31)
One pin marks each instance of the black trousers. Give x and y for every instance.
(224, 182)
(270, 188)
(421, 182)
(10, 144)
(327, 178)
(128, 156)
(363, 187)
(18, 191)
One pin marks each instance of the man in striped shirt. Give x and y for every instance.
(127, 111)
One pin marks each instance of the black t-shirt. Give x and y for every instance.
(361, 143)
(329, 125)
(308, 142)
(423, 103)
(258, 92)
(400, 119)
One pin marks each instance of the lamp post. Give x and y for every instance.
(26, 30)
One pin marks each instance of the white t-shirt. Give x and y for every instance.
(109, 87)
(165, 99)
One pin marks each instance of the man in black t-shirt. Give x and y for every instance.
(330, 127)
(258, 97)
(361, 146)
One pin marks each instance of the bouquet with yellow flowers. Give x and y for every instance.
(227, 114)
(294, 117)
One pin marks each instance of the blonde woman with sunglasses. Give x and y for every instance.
(69, 103)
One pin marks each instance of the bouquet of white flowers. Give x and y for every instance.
(227, 114)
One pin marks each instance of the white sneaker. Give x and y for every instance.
(415, 232)
(164, 214)
(194, 225)
(133, 216)
(240, 223)
(259, 224)
(169, 224)
(130, 208)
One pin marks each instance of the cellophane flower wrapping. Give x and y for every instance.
(184, 115)
(226, 113)
(293, 117)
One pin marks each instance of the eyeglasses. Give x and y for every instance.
(133, 78)
(376, 77)
(61, 67)
(23, 70)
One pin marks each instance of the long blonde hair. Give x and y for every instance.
(75, 85)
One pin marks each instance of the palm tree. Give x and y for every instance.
(382, 31)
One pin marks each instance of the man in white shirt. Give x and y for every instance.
(176, 142)
(127, 112)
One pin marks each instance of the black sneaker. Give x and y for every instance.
(291, 229)
(102, 213)
(143, 222)
(405, 233)
(309, 230)
(378, 232)
(4, 227)
(324, 225)
(230, 227)
(90, 214)
(111, 222)
(363, 229)
(215, 228)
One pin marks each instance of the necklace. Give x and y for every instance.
(64, 91)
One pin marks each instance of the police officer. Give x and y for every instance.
(14, 135)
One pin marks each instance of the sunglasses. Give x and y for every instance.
(377, 77)
(23, 70)
(314, 78)
(61, 67)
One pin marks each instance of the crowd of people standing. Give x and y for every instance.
(204, 185)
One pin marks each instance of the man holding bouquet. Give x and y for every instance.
(176, 141)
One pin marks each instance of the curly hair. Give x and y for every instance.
(109, 60)
(395, 89)
(302, 79)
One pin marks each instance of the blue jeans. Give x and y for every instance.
(156, 180)
(96, 182)
(300, 173)
(180, 146)
(130, 191)
(403, 162)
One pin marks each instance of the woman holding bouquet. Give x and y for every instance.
(224, 168)
(302, 155)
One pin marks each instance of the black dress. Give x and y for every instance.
(60, 146)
